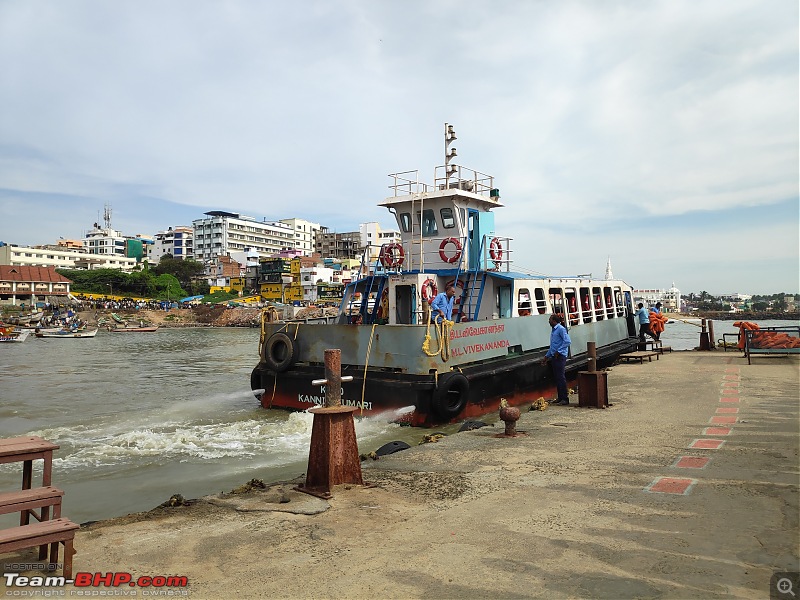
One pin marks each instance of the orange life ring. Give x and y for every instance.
(429, 290)
(392, 255)
(496, 250)
(444, 244)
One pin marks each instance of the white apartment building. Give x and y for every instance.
(176, 241)
(305, 234)
(222, 233)
(63, 258)
(670, 299)
(105, 241)
(372, 235)
(310, 276)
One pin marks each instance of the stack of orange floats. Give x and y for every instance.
(657, 322)
(742, 325)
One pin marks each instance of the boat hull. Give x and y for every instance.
(412, 397)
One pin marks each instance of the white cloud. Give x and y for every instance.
(590, 111)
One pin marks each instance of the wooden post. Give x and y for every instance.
(592, 384)
(712, 342)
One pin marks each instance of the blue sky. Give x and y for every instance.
(663, 134)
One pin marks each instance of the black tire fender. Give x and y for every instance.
(450, 396)
(255, 382)
(280, 352)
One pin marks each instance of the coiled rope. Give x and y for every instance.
(443, 338)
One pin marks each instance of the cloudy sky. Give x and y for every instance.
(663, 134)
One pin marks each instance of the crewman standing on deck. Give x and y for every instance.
(644, 322)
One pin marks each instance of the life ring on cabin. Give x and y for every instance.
(597, 301)
(392, 255)
(496, 250)
(429, 290)
(446, 242)
(450, 396)
(586, 306)
(280, 352)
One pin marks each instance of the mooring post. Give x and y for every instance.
(704, 343)
(711, 344)
(333, 457)
(592, 384)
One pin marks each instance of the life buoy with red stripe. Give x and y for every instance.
(429, 290)
(446, 242)
(496, 250)
(392, 255)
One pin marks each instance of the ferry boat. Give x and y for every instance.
(425, 373)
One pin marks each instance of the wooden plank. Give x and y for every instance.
(24, 500)
(25, 445)
(53, 531)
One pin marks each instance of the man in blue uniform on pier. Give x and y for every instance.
(557, 355)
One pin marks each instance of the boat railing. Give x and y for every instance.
(454, 176)
(496, 253)
(407, 182)
(445, 177)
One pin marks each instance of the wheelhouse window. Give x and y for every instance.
(448, 218)
(428, 223)
(405, 222)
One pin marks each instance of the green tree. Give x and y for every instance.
(186, 271)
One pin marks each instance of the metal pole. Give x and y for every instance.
(591, 350)
(333, 374)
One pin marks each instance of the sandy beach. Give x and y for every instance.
(574, 508)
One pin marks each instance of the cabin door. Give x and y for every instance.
(404, 299)
(504, 301)
(630, 319)
(473, 239)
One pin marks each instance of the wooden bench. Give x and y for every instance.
(55, 532)
(24, 501)
(639, 355)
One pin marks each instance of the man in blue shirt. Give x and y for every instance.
(442, 305)
(644, 322)
(557, 355)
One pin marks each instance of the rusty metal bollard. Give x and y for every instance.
(509, 415)
(705, 344)
(592, 384)
(333, 457)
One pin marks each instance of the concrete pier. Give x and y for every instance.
(685, 487)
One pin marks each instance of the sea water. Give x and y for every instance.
(142, 416)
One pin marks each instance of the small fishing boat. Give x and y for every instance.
(67, 333)
(10, 334)
(133, 329)
(397, 362)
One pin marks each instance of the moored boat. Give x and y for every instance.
(11, 334)
(133, 328)
(67, 333)
(492, 348)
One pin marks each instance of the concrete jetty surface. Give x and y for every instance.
(687, 487)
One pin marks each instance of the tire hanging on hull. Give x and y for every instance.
(450, 396)
(280, 352)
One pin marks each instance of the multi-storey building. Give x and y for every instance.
(224, 232)
(29, 285)
(305, 234)
(373, 237)
(62, 257)
(670, 299)
(175, 241)
(338, 245)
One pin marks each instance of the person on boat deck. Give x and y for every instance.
(644, 322)
(442, 305)
(657, 308)
(557, 355)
